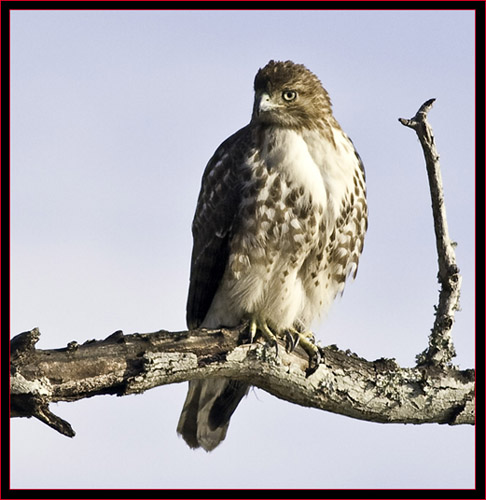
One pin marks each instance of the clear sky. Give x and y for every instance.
(114, 117)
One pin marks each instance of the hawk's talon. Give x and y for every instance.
(291, 341)
(313, 363)
(307, 342)
(274, 343)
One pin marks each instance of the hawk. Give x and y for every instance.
(279, 226)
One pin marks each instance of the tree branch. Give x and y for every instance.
(378, 391)
(441, 348)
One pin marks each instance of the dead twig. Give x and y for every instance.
(441, 348)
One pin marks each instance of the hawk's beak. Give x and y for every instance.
(264, 103)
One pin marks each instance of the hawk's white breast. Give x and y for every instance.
(337, 163)
(288, 153)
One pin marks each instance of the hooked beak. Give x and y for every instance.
(263, 103)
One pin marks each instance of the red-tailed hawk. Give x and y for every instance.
(279, 226)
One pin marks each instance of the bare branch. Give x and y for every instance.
(441, 348)
(378, 391)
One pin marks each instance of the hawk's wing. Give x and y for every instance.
(213, 224)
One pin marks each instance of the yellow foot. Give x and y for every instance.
(260, 325)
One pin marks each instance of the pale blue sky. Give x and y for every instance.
(114, 116)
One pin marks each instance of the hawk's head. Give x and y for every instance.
(289, 95)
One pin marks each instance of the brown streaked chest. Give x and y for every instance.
(283, 200)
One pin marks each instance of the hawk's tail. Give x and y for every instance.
(207, 411)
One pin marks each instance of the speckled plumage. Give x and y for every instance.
(279, 226)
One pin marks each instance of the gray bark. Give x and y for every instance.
(344, 383)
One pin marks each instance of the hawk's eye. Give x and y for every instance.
(289, 95)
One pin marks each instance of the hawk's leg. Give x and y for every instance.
(307, 342)
(260, 325)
